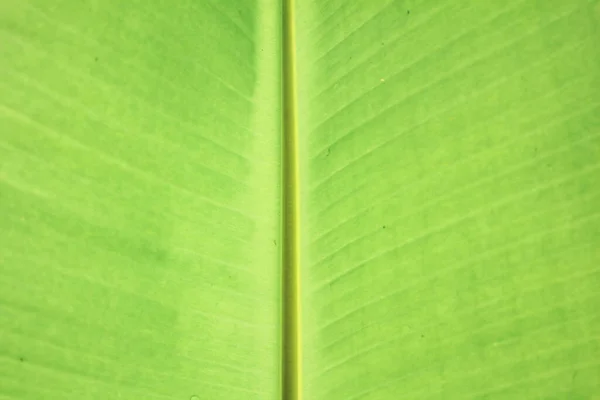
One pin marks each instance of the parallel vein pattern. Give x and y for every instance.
(453, 155)
(139, 145)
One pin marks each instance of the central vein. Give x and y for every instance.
(292, 360)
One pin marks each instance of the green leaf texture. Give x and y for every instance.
(445, 212)
(451, 165)
(139, 197)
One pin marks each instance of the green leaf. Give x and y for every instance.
(452, 154)
(139, 153)
(371, 199)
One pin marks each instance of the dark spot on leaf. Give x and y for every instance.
(96, 58)
(407, 12)
(328, 152)
(383, 227)
(422, 336)
(275, 242)
(21, 359)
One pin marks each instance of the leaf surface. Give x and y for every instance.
(139, 198)
(451, 167)
(448, 166)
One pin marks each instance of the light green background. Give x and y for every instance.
(139, 197)
(450, 155)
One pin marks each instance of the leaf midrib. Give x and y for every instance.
(291, 337)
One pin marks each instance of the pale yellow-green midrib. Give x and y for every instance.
(291, 362)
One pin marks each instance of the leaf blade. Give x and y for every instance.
(137, 255)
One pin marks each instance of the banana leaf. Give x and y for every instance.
(444, 226)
